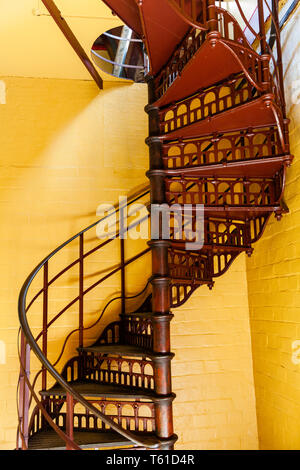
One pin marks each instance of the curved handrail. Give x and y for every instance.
(191, 18)
(32, 342)
(237, 28)
(31, 386)
(247, 23)
(249, 61)
(89, 327)
(230, 48)
(261, 35)
(99, 318)
(144, 191)
(151, 443)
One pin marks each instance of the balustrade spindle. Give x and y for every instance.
(81, 288)
(263, 41)
(70, 419)
(45, 324)
(123, 287)
(24, 394)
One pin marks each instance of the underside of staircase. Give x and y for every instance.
(218, 146)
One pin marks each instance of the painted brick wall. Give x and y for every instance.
(65, 149)
(274, 283)
(212, 369)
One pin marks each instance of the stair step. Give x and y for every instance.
(231, 119)
(92, 389)
(234, 212)
(164, 28)
(121, 350)
(48, 439)
(219, 64)
(259, 167)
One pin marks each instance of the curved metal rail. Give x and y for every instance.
(30, 342)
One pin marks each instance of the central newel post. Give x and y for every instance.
(160, 278)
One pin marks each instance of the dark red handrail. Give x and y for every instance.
(30, 342)
(189, 11)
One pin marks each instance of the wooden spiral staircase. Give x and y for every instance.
(218, 137)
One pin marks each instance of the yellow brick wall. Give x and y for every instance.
(273, 282)
(212, 369)
(65, 148)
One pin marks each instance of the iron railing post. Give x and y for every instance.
(45, 324)
(24, 394)
(279, 53)
(70, 420)
(81, 288)
(212, 15)
(123, 288)
(262, 32)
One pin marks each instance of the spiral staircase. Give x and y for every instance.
(218, 139)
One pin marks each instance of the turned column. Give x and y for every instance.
(212, 21)
(160, 279)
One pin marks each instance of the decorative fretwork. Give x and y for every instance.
(222, 261)
(226, 232)
(190, 266)
(199, 268)
(207, 103)
(182, 55)
(257, 227)
(117, 370)
(222, 191)
(222, 148)
(231, 35)
(134, 415)
(137, 330)
(111, 334)
(216, 232)
(180, 293)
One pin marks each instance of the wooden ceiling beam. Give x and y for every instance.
(73, 41)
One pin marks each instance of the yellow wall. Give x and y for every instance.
(31, 39)
(212, 370)
(273, 283)
(65, 148)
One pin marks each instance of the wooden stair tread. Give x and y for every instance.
(121, 350)
(92, 389)
(48, 439)
(229, 120)
(258, 167)
(234, 212)
(159, 22)
(189, 80)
